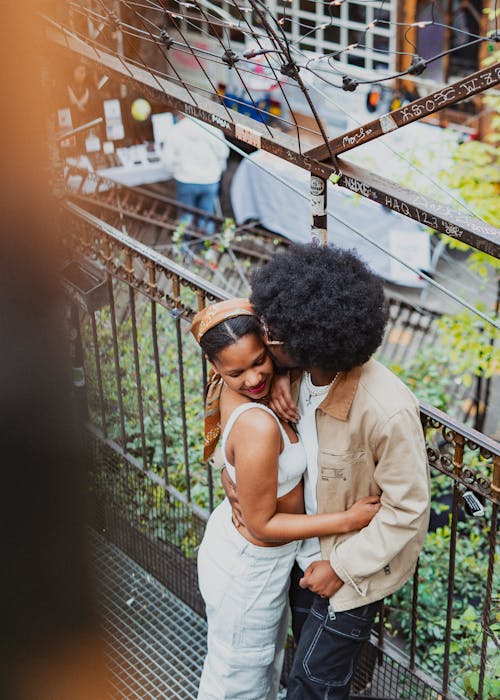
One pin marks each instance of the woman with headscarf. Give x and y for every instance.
(244, 571)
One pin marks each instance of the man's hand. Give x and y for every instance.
(230, 488)
(320, 578)
(280, 399)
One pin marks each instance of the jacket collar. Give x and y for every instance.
(337, 403)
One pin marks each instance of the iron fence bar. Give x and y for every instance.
(180, 360)
(116, 357)
(210, 477)
(137, 366)
(204, 373)
(381, 633)
(414, 608)
(450, 591)
(458, 459)
(426, 211)
(414, 111)
(97, 356)
(476, 402)
(111, 444)
(159, 390)
(128, 244)
(131, 214)
(486, 622)
(77, 364)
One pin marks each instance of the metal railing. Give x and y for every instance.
(142, 399)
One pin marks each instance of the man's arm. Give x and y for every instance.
(230, 489)
(402, 476)
(280, 399)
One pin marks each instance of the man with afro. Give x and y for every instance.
(324, 314)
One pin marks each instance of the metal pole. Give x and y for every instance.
(76, 353)
(319, 225)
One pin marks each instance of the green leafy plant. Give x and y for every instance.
(466, 626)
(475, 175)
(462, 350)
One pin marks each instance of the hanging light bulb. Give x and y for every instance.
(140, 109)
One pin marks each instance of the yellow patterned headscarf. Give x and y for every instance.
(208, 318)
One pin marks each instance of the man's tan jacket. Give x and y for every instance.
(371, 443)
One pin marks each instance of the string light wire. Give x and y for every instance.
(287, 52)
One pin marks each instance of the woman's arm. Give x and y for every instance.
(255, 443)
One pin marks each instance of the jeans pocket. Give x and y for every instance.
(334, 647)
(246, 673)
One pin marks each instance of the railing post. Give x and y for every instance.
(76, 353)
(319, 225)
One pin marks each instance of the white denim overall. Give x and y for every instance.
(245, 589)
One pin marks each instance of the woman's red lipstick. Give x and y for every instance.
(258, 389)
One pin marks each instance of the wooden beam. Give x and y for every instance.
(440, 99)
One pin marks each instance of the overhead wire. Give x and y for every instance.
(359, 233)
(458, 201)
(260, 111)
(401, 156)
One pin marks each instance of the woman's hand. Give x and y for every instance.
(280, 399)
(230, 488)
(361, 513)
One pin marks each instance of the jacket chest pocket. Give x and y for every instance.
(339, 466)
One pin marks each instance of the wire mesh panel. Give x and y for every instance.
(155, 643)
(159, 531)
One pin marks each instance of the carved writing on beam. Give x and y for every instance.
(357, 137)
(397, 205)
(448, 94)
(359, 187)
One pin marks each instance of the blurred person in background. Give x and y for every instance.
(80, 96)
(195, 156)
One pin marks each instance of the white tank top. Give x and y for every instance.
(292, 461)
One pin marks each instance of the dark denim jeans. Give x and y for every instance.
(199, 196)
(328, 644)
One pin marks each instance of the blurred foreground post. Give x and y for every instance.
(49, 641)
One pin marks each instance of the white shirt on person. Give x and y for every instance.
(195, 153)
(307, 405)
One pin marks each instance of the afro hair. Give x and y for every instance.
(324, 304)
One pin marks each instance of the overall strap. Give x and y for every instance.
(241, 409)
